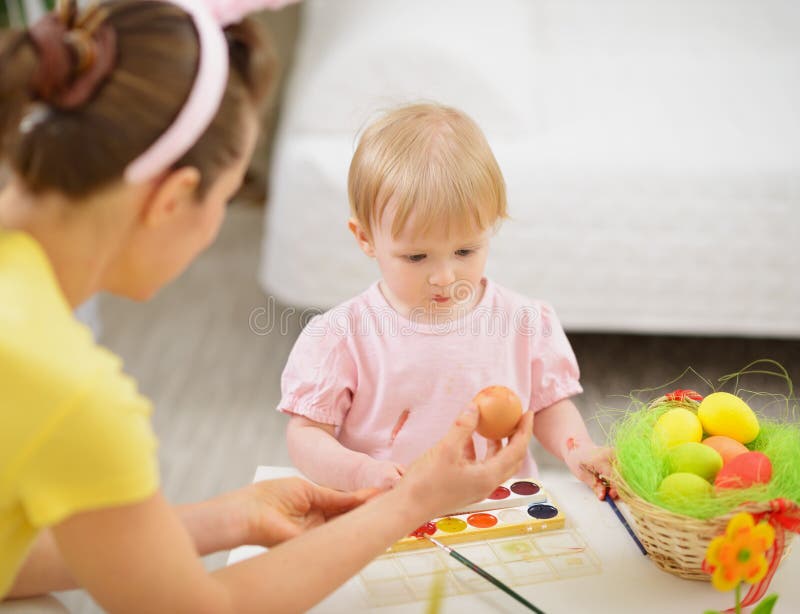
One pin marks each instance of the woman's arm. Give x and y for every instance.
(316, 452)
(264, 513)
(43, 571)
(140, 557)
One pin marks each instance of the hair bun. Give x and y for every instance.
(73, 62)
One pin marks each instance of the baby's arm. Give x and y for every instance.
(562, 432)
(316, 452)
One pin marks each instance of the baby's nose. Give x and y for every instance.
(442, 276)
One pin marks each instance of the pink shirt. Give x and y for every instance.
(360, 365)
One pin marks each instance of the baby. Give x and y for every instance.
(376, 381)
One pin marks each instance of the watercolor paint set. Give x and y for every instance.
(519, 535)
(516, 507)
(512, 493)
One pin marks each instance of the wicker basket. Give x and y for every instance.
(677, 543)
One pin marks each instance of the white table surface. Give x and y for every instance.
(628, 582)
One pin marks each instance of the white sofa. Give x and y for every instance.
(651, 151)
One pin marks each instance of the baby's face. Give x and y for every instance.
(435, 276)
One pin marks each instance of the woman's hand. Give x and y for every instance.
(271, 511)
(281, 509)
(449, 476)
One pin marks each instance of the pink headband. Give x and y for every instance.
(209, 17)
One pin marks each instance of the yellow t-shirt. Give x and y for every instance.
(75, 433)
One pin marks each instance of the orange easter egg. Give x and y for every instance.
(499, 410)
(744, 471)
(727, 447)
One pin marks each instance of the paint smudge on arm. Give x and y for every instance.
(572, 444)
(399, 425)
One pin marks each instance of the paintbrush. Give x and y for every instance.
(604, 481)
(483, 573)
(624, 522)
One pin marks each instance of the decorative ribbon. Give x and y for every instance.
(683, 395)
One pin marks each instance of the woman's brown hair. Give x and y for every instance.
(76, 149)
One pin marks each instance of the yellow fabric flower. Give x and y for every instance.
(739, 554)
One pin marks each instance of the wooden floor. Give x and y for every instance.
(201, 352)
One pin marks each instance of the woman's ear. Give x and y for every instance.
(171, 197)
(362, 237)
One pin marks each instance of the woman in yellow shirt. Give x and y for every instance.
(126, 129)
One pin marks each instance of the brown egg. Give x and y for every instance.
(499, 410)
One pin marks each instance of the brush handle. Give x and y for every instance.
(485, 574)
(624, 522)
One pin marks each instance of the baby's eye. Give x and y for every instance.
(415, 257)
(464, 252)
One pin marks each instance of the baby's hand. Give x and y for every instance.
(591, 464)
(378, 474)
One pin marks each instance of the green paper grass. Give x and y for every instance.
(642, 463)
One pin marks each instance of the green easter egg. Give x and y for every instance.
(683, 486)
(693, 457)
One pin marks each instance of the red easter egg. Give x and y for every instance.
(745, 470)
(727, 447)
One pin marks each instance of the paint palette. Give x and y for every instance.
(521, 537)
(512, 493)
(417, 575)
(529, 511)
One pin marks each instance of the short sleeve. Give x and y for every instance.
(319, 379)
(554, 369)
(98, 451)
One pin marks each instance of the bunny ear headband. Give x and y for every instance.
(210, 17)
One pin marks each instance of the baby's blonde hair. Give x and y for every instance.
(431, 160)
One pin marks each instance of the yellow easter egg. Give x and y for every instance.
(677, 426)
(722, 413)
